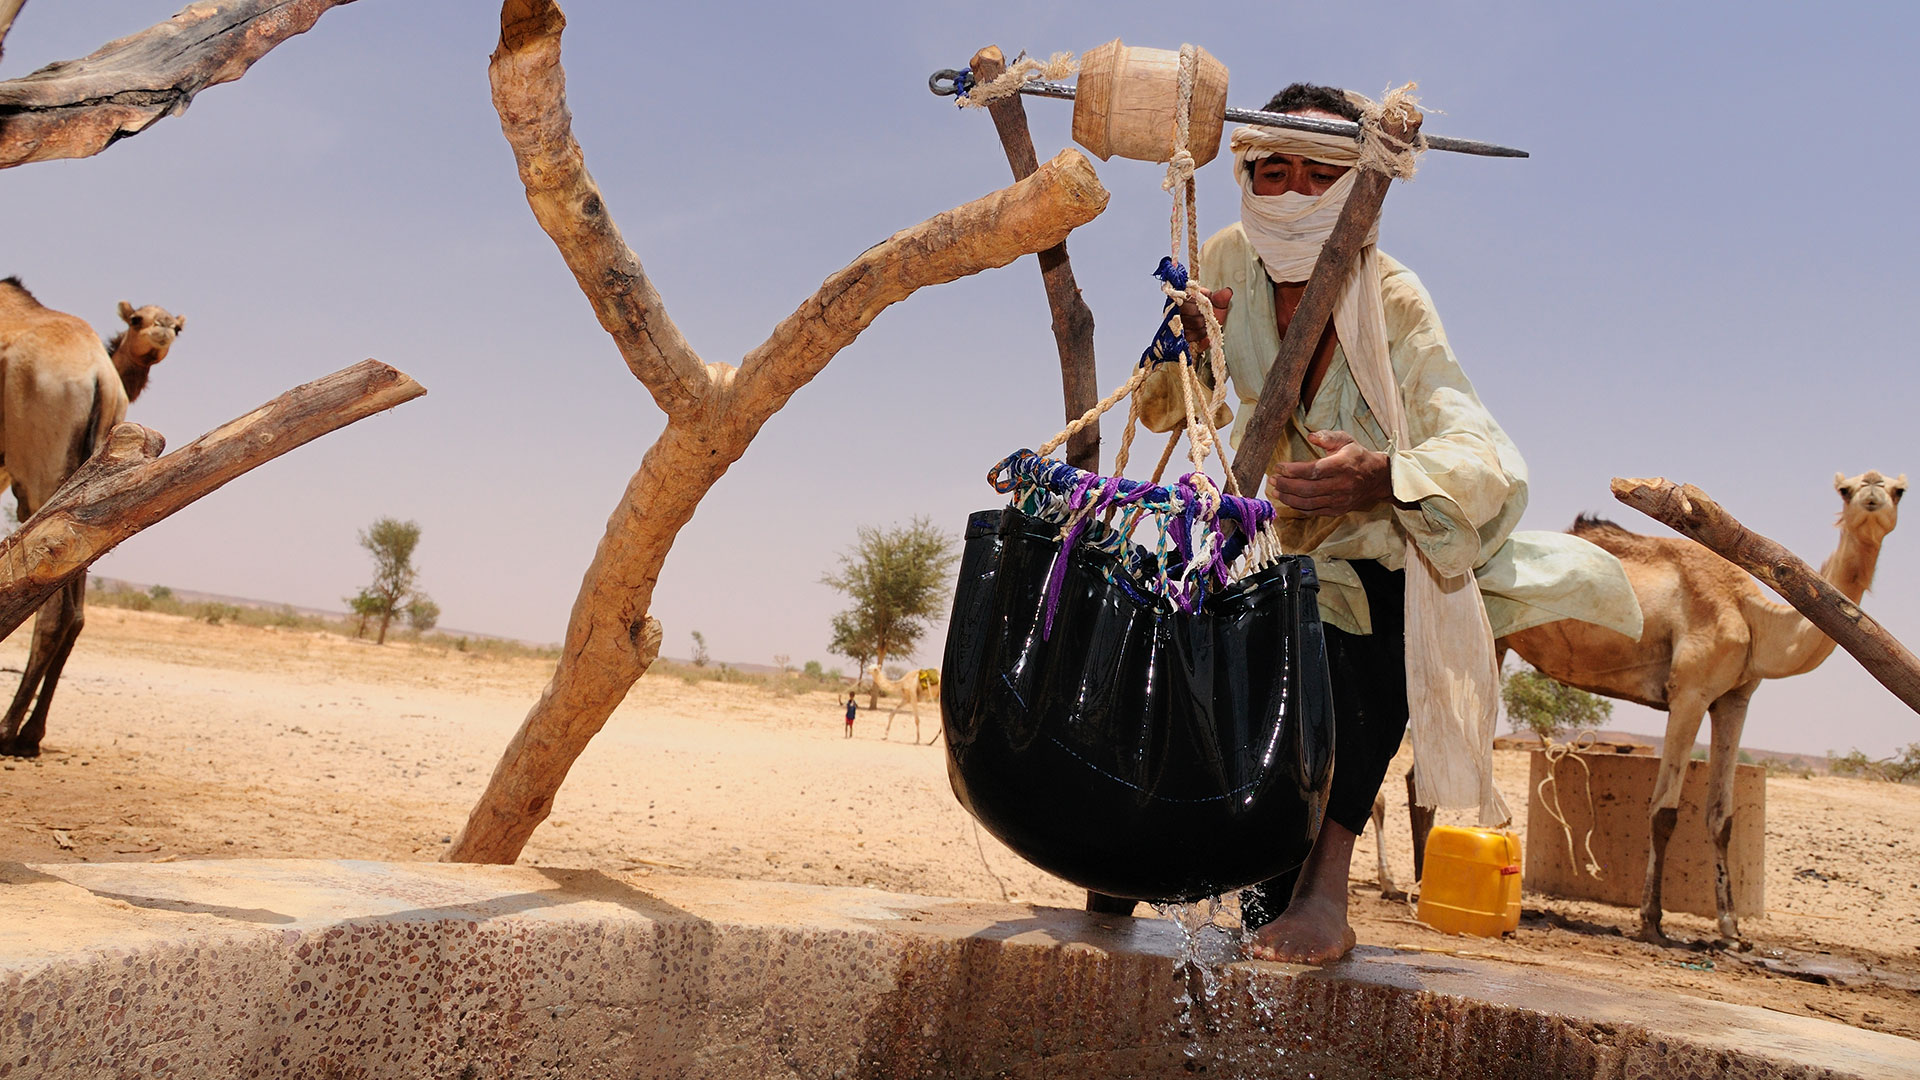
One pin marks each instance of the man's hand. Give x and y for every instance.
(1350, 477)
(1192, 325)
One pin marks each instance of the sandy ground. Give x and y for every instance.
(173, 739)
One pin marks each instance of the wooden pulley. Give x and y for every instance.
(1126, 99)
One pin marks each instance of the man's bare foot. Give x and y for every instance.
(1310, 931)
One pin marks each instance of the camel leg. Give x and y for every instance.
(1723, 756)
(1388, 890)
(55, 629)
(916, 719)
(888, 734)
(1685, 710)
(1420, 819)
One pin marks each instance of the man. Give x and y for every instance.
(1367, 506)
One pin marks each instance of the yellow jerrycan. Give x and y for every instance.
(1472, 881)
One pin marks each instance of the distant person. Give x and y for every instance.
(851, 709)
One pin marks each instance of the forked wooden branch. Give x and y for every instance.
(1690, 512)
(713, 410)
(77, 108)
(129, 486)
(1072, 319)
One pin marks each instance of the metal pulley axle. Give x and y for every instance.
(947, 83)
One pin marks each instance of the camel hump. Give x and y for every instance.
(1605, 534)
(14, 294)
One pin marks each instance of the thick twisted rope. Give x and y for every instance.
(1380, 149)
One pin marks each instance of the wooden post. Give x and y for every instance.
(1072, 319)
(129, 486)
(1691, 513)
(1280, 395)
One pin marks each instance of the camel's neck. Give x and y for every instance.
(133, 373)
(1784, 642)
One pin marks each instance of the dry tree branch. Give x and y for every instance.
(77, 108)
(611, 640)
(1691, 513)
(530, 93)
(129, 486)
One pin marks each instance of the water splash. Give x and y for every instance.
(1211, 936)
(1233, 1021)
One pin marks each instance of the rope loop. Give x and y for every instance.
(1380, 149)
(970, 93)
(1554, 753)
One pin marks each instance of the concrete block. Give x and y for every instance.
(1622, 786)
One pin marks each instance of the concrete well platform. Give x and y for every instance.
(352, 970)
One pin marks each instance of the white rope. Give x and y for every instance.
(1555, 752)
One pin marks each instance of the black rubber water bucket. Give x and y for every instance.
(1135, 750)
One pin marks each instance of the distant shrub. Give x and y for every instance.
(215, 614)
(1793, 767)
(1900, 768)
(1547, 708)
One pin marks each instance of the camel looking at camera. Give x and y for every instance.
(61, 392)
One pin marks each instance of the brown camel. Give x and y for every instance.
(61, 392)
(914, 688)
(1711, 635)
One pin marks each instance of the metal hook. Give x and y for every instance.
(950, 86)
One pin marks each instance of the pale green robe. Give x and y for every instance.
(1459, 485)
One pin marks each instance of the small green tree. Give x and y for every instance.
(853, 639)
(364, 606)
(1547, 708)
(700, 656)
(898, 581)
(422, 613)
(391, 542)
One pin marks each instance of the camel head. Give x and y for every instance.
(149, 334)
(1869, 503)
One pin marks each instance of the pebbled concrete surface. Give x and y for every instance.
(352, 969)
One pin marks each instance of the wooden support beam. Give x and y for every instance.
(1280, 394)
(713, 410)
(1691, 513)
(1072, 319)
(77, 108)
(128, 486)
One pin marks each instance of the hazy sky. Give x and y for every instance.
(1698, 274)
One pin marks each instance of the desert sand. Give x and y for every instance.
(174, 739)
